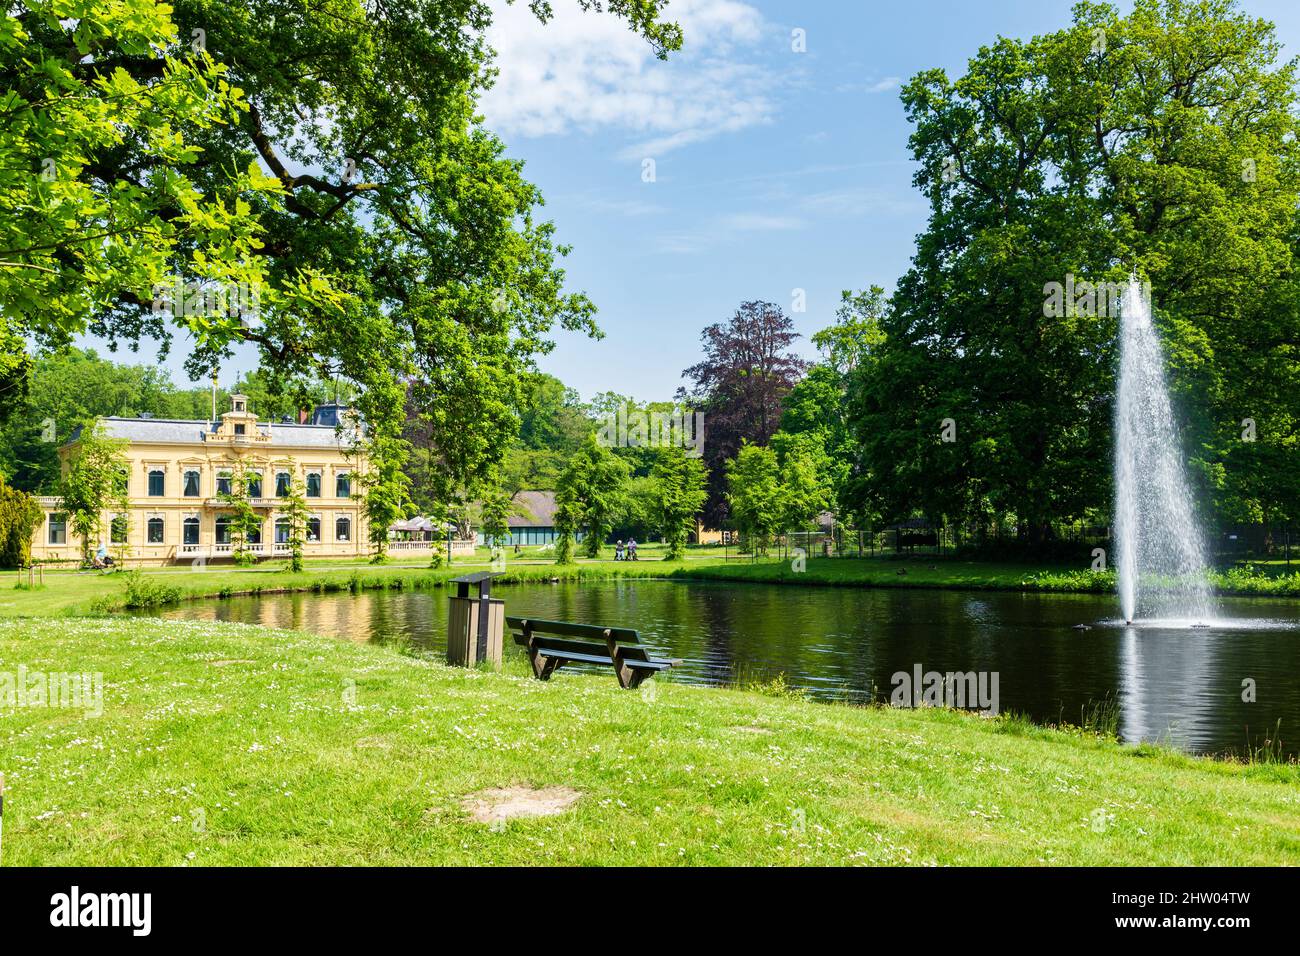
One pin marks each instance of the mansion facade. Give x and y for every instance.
(179, 470)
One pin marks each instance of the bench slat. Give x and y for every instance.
(590, 632)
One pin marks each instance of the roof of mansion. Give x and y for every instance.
(166, 431)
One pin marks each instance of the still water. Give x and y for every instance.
(1172, 684)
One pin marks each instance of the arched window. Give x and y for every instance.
(313, 529)
(191, 483)
(281, 484)
(224, 483)
(254, 484)
(190, 531)
(154, 531)
(281, 530)
(157, 483)
(117, 529)
(342, 528)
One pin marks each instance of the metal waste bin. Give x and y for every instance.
(475, 622)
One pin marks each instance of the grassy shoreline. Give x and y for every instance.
(224, 744)
(80, 593)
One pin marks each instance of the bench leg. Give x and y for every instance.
(635, 677)
(543, 667)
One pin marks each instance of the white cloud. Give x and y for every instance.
(872, 86)
(588, 71)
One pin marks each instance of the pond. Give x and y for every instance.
(1175, 685)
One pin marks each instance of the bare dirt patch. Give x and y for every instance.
(752, 730)
(506, 803)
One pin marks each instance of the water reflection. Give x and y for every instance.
(1176, 685)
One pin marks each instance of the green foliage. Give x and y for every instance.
(101, 128)
(1169, 149)
(95, 482)
(245, 520)
(293, 508)
(20, 516)
(778, 488)
(147, 591)
(590, 493)
(681, 488)
(494, 514)
(754, 493)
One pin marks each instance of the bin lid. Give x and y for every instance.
(482, 578)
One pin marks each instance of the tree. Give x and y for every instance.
(20, 516)
(681, 486)
(294, 510)
(746, 372)
(806, 477)
(104, 113)
(245, 520)
(392, 245)
(755, 495)
(1162, 142)
(95, 482)
(590, 492)
(494, 515)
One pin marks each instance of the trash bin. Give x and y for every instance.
(475, 622)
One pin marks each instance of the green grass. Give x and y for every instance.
(226, 744)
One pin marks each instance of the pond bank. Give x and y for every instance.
(94, 593)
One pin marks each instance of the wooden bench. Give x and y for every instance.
(552, 644)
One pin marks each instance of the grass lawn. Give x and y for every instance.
(229, 744)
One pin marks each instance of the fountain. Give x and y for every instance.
(1161, 559)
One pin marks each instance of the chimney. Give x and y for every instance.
(302, 416)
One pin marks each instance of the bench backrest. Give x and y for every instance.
(586, 632)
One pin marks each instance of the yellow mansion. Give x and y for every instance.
(178, 471)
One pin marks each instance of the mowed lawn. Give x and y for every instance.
(226, 744)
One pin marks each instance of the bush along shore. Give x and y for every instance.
(89, 593)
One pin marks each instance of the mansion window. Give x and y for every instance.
(313, 484)
(58, 529)
(154, 530)
(156, 483)
(190, 531)
(254, 535)
(223, 530)
(343, 486)
(281, 530)
(281, 484)
(117, 529)
(223, 483)
(254, 484)
(191, 483)
(342, 528)
(313, 529)
(239, 429)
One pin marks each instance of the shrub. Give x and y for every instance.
(143, 591)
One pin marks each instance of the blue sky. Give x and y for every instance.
(774, 170)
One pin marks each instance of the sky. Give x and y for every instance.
(780, 171)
